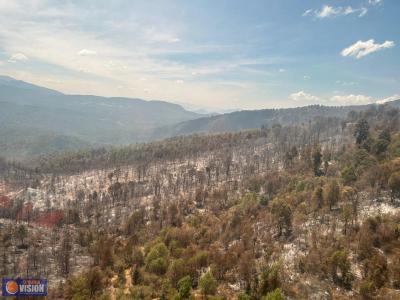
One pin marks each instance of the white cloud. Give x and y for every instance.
(17, 57)
(363, 12)
(127, 52)
(306, 77)
(329, 11)
(83, 70)
(159, 36)
(375, 2)
(348, 10)
(363, 48)
(346, 83)
(87, 52)
(282, 70)
(351, 99)
(307, 12)
(302, 96)
(388, 99)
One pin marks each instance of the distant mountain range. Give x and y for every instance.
(31, 115)
(36, 120)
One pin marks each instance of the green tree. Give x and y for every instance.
(136, 276)
(87, 286)
(317, 160)
(347, 210)
(137, 257)
(377, 271)
(95, 281)
(176, 270)
(77, 288)
(283, 216)
(184, 287)
(341, 269)
(380, 146)
(332, 193)
(348, 175)
(269, 279)
(361, 132)
(208, 285)
(157, 259)
(318, 196)
(394, 185)
(395, 146)
(158, 266)
(21, 233)
(385, 135)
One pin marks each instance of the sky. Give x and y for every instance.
(220, 54)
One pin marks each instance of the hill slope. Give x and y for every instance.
(42, 115)
(250, 119)
(35, 120)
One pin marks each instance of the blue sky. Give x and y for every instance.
(219, 54)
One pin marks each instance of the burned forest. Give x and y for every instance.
(303, 211)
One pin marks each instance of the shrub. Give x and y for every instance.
(264, 200)
(274, 295)
(157, 251)
(394, 184)
(156, 259)
(208, 285)
(137, 257)
(140, 292)
(158, 266)
(348, 175)
(366, 290)
(270, 278)
(184, 287)
(380, 146)
(243, 296)
(394, 147)
(176, 270)
(77, 288)
(339, 262)
(377, 270)
(282, 214)
(362, 160)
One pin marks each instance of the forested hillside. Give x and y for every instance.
(242, 120)
(36, 120)
(305, 211)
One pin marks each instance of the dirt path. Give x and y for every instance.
(128, 281)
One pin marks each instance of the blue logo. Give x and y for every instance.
(24, 287)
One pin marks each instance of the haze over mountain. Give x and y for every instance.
(249, 119)
(39, 120)
(35, 120)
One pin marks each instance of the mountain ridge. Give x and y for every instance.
(93, 120)
(40, 115)
(249, 119)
